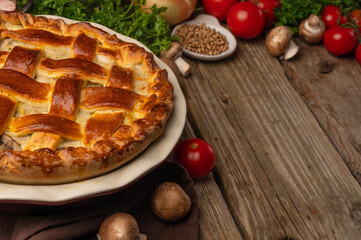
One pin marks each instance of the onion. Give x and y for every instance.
(177, 10)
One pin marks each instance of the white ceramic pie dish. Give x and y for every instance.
(152, 157)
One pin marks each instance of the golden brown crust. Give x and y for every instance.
(19, 84)
(75, 66)
(104, 146)
(46, 123)
(120, 77)
(38, 36)
(101, 126)
(7, 107)
(66, 97)
(22, 60)
(108, 98)
(85, 47)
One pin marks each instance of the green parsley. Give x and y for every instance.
(151, 29)
(292, 12)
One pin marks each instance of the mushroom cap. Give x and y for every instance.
(170, 203)
(119, 226)
(312, 29)
(277, 40)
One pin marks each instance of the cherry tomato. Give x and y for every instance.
(218, 8)
(356, 16)
(340, 41)
(358, 53)
(196, 156)
(331, 14)
(267, 7)
(245, 20)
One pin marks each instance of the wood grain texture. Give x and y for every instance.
(331, 88)
(277, 169)
(215, 219)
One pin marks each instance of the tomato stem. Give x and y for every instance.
(352, 24)
(194, 145)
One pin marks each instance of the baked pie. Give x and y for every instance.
(75, 101)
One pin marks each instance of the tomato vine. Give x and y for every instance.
(292, 12)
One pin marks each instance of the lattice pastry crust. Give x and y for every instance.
(75, 101)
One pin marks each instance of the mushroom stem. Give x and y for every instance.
(174, 53)
(312, 29)
(291, 50)
(279, 41)
(313, 24)
(183, 66)
(142, 236)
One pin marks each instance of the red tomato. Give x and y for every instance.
(356, 16)
(358, 53)
(218, 8)
(245, 20)
(340, 41)
(331, 14)
(196, 156)
(267, 7)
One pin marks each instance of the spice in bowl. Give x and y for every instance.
(202, 39)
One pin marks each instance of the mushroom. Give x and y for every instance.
(120, 226)
(175, 53)
(279, 41)
(170, 203)
(8, 143)
(8, 5)
(312, 29)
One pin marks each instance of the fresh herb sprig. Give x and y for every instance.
(292, 12)
(129, 19)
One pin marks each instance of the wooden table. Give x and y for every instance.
(288, 141)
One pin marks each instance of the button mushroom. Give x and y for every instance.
(120, 226)
(8, 143)
(175, 53)
(279, 41)
(312, 29)
(8, 5)
(170, 203)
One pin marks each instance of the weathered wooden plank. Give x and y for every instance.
(280, 174)
(331, 88)
(215, 220)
